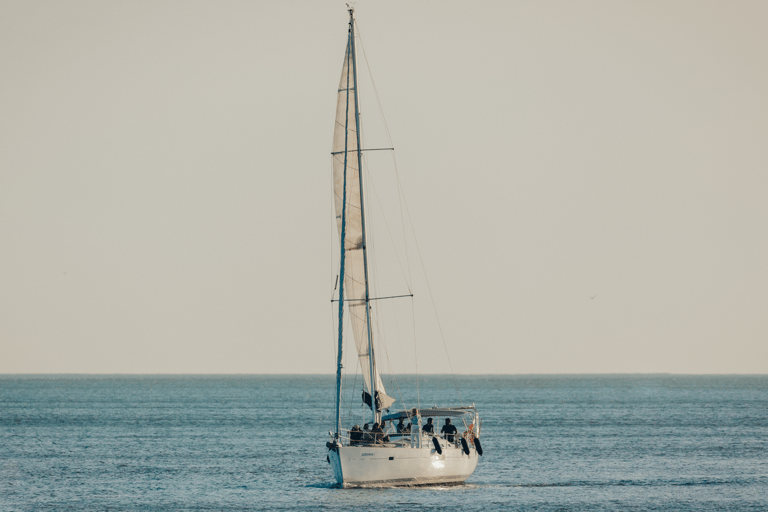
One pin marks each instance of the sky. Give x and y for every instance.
(587, 183)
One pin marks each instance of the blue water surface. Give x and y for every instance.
(601, 442)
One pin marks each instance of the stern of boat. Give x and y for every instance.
(386, 465)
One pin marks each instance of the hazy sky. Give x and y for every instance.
(165, 182)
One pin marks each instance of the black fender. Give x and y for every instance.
(478, 447)
(464, 446)
(437, 445)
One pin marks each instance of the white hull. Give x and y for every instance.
(356, 466)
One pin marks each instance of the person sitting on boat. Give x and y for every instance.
(355, 436)
(449, 430)
(401, 427)
(429, 428)
(366, 437)
(385, 431)
(377, 432)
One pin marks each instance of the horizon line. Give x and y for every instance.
(399, 374)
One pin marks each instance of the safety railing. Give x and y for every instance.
(348, 437)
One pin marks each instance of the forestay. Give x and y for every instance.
(346, 166)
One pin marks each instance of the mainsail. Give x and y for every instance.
(346, 183)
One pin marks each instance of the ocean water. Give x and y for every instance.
(615, 442)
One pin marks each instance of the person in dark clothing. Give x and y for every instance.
(378, 434)
(355, 436)
(383, 428)
(429, 428)
(401, 427)
(449, 430)
(367, 438)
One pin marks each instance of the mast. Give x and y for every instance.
(371, 359)
(339, 356)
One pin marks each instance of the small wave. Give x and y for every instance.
(619, 483)
(323, 485)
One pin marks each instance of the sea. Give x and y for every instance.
(256, 442)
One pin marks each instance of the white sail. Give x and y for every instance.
(345, 166)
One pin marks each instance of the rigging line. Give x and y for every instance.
(373, 83)
(389, 361)
(403, 201)
(370, 234)
(401, 198)
(415, 355)
(345, 368)
(402, 221)
(333, 345)
(407, 210)
(342, 236)
(352, 395)
(386, 351)
(389, 232)
(383, 338)
(375, 298)
(371, 149)
(400, 201)
(380, 326)
(333, 293)
(343, 365)
(418, 250)
(397, 176)
(357, 367)
(400, 341)
(432, 299)
(374, 274)
(334, 342)
(371, 358)
(389, 139)
(373, 266)
(331, 248)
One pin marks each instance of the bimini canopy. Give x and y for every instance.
(450, 412)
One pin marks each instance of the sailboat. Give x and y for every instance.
(413, 456)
